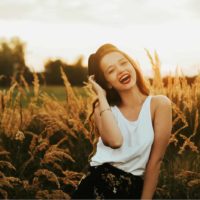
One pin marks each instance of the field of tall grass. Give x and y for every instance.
(45, 142)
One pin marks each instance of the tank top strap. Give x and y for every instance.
(146, 109)
(147, 102)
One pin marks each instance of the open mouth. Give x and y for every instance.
(125, 79)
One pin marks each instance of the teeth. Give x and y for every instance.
(123, 78)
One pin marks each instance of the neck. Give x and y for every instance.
(132, 98)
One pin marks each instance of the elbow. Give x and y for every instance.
(113, 142)
(116, 144)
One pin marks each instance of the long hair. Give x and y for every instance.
(112, 95)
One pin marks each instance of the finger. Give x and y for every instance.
(85, 83)
(91, 77)
(90, 80)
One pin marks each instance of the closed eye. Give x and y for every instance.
(123, 63)
(110, 71)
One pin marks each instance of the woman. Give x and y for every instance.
(133, 130)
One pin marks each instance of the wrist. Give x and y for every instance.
(102, 111)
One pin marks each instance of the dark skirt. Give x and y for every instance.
(108, 182)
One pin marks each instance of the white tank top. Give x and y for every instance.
(138, 137)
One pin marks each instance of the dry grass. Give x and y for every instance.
(44, 146)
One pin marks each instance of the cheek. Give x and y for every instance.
(135, 76)
(110, 77)
(106, 77)
(133, 72)
(113, 79)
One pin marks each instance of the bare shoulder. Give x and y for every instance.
(163, 114)
(159, 104)
(161, 101)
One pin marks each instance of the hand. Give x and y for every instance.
(96, 87)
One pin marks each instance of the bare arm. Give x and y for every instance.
(162, 130)
(107, 125)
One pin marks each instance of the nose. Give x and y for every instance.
(120, 69)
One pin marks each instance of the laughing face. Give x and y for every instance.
(118, 71)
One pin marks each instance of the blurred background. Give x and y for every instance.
(46, 136)
(52, 31)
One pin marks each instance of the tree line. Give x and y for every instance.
(13, 66)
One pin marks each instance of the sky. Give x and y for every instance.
(67, 29)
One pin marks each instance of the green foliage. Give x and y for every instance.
(76, 73)
(12, 61)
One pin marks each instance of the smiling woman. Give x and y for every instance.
(112, 64)
(132, 130)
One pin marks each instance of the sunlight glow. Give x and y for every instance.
(67, 29)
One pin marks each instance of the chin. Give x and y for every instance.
(123, 87)
(126, 87)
